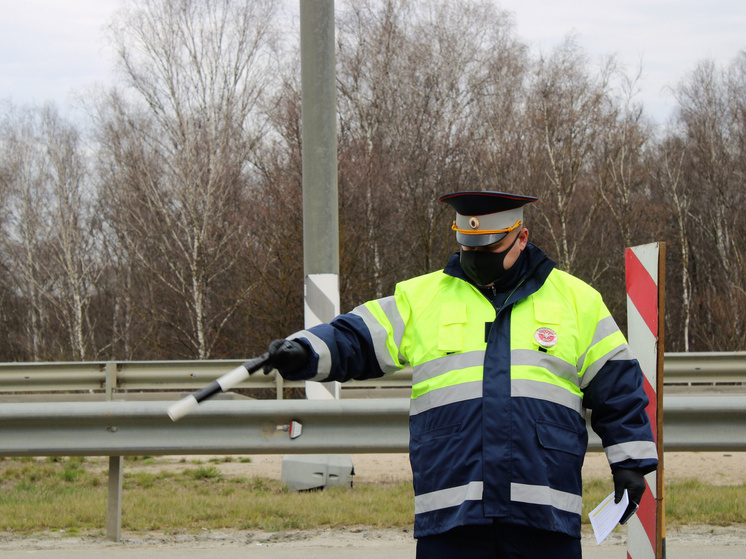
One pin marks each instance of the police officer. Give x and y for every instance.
(507, 353)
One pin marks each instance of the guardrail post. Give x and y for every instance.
(279, 386)
(110, 381)
(114, 497)
(114, 502)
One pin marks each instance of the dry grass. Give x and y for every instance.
(70, 494)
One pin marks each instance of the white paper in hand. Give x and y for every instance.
(606, 516)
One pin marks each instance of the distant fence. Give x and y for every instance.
(680, 369)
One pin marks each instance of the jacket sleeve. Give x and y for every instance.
(613, 386)
(617, 401)
(361, 344)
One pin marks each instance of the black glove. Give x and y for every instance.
(287, 356)
(634, 482)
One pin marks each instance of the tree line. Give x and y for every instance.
(168, 224)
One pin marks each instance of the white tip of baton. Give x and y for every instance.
(235, 377)
(182, 407)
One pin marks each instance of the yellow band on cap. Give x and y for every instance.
(484, 231)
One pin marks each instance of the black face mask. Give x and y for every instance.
(484, 267)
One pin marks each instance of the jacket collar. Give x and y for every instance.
(534, 266)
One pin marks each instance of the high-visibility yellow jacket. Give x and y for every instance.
(499, 391)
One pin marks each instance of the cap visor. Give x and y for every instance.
(479, 240)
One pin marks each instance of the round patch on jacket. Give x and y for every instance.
(545, 337)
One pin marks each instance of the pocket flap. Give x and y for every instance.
(445, 431)
(558, 437)
(453, 313)
(547, 313)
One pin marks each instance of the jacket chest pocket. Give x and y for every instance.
(451, 327)
(547, 313)
(554, 331)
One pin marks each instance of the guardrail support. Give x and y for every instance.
(110, 381)
(114, 501)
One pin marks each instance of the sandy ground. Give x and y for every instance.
(348, 543)
(717, 468)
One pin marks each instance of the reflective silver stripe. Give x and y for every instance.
(379, 335)
(446, 395)
(622, 352)
(451, 497)
(446, 364)
(544, 495)
(605, 327)
(521, 388)
(558, 367)
(635, 450)
(320, 347)
(388, 305)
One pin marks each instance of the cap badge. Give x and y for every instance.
(545, 337)
(473, 223)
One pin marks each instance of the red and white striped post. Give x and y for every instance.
(645, 279)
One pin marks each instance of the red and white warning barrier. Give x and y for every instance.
(321, 304)
(645, 279)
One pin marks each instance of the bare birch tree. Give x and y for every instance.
(568, 110)
(619, 166)
(76, 244)
(51, 232)
(196, 72)
(412, 77)
(23, 224)
(712, 122)
(668, 177)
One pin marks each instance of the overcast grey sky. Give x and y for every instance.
(51, 49)
(668, 37)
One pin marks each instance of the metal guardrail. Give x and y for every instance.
(702, 423)
(115, 429)
(118, 428)
(124, 376)
(215, 427)
(728, 367)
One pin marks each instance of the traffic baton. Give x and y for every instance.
(226, 382)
